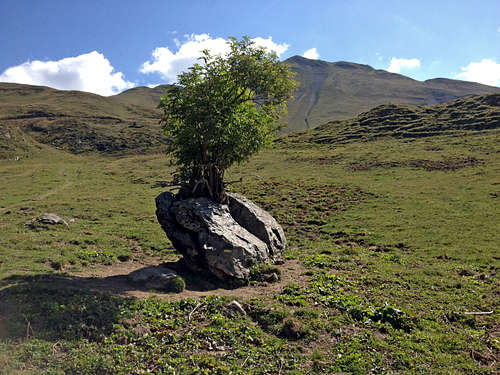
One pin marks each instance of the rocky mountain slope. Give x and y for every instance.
(341, 90)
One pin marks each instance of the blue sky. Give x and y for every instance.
(108, 46)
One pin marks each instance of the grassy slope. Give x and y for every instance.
(143, 96)
(479, 113)
(341, 90)
(75, 121)
(372, 236)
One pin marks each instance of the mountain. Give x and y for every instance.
(128, 122)
(473, 114)
(341, 90)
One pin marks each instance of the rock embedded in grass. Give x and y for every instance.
(46, 219)
(51, 219)
(157, 277)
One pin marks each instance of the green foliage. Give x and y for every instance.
(224, 110)
(264, 272)
(97, 256)
(176, 285)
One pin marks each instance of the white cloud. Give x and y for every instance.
(170, 64)
(487, 71)
(268, 44)
(397, 64)
(90, 72)
(498, 29)
(311, 54)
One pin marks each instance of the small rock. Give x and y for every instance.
(236, 307)
(443, 256)
(273, 278)
(154, 277)
(51, 219)
(291, 329)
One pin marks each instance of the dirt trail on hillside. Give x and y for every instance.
(113, 279)
(67, 183)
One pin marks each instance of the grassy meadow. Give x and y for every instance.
(393, 264)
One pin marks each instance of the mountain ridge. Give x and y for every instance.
(128, 122)
(340, 90)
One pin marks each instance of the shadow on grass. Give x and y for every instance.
(46, 307)
(56, 306)
(63, 306)
(115, 284)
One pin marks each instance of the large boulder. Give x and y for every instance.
(212, 237)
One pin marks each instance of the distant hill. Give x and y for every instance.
(341, 90)
(479, 113)
(78, 121)
(142, 96)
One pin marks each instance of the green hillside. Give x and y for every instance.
(480, 113)
(76, 121)
(142, 96)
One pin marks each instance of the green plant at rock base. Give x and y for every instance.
(222, 111)
(176, 285)
(264, 272)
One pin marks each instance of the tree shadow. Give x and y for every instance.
(64, 306)
(48, 307)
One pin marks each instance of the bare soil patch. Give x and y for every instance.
(113, 279)
(451, 164)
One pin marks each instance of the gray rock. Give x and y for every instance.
(154, 277)
(258, 222)
(51, 219)
(235, 307)
(210, 239)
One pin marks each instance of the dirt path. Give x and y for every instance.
(67, 182)
(113, 279)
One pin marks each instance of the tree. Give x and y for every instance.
(221, 112)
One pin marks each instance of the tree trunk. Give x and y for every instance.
(215, 183)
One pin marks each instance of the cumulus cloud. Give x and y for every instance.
(170, 64)
(397, 64)
(311, 54)
(90, 72)
(487, 72)
(268, 44)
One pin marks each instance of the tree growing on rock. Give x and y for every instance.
(222, 111)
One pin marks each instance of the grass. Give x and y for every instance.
(478, 113)
(394, 256)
